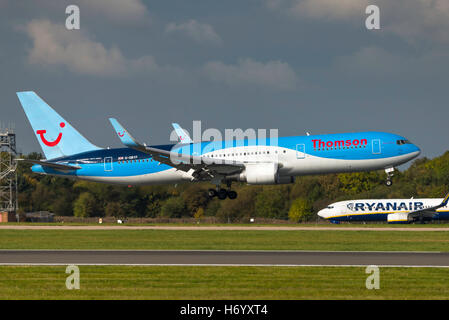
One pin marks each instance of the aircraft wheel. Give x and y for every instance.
(212, 193)
(388, 183)
(222, 194)
(232, 194)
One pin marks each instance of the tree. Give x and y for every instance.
(199, 213)
(173, 208)
(237, 209)
(354, 183)
(300, 210)
(195, 197)
(114, 209)
(85, 205)
(270, 203)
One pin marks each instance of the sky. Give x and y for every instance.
(293, 65)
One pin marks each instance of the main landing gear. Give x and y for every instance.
(389, 172)
(222, 193)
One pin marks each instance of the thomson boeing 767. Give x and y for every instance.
(254, 161)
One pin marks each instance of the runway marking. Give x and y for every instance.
(223, 258)
(218, 265)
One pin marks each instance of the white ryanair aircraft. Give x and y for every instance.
(390, 210)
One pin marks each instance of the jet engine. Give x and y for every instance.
(400, 217)
(264, 173)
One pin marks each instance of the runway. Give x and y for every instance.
(223, 258)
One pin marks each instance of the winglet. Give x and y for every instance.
(182, 134)
(125, 137)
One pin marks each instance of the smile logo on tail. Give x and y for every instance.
(50, 143)
(121, 134)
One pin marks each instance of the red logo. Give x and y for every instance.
(318, 143)
(50, 143)
(121, 134)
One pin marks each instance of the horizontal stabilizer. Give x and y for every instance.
(53, 165)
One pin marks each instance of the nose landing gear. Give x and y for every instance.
(390, 173)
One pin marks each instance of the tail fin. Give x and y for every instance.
(55, 135)
(445, 200)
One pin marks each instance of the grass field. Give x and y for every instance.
(222, 282)
(329, 240)
(125, 282)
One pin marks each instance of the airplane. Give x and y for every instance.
(254, 161)
(390, 210)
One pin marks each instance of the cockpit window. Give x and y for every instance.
(330, 207)
(400, 142)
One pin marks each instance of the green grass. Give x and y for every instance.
(126, 282)
(323, 224)
(328, 240)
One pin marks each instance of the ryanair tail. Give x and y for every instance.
(56, 136)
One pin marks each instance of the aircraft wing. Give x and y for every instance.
(53, 165)
(202, 168)
(182, 134)
(429, 212)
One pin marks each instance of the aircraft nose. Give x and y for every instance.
(415, 151)
(322, 213)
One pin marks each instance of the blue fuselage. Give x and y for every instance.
(297, 155)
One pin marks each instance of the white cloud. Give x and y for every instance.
(53, 44)
(412, 20)
(417, 20)
(275, 75)
(115, 11)
(329, 9)
(200, 32)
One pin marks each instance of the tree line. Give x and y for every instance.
(297, 202)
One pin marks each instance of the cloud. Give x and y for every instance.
(371, 62)
(118, 10)
(199, 32)
(377, 64)
(53, 44)
(418, 20)
(329, 9)
(275, 75)
(412, 20)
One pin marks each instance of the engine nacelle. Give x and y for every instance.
(264, 173)
(400, 217)
(261, 173)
